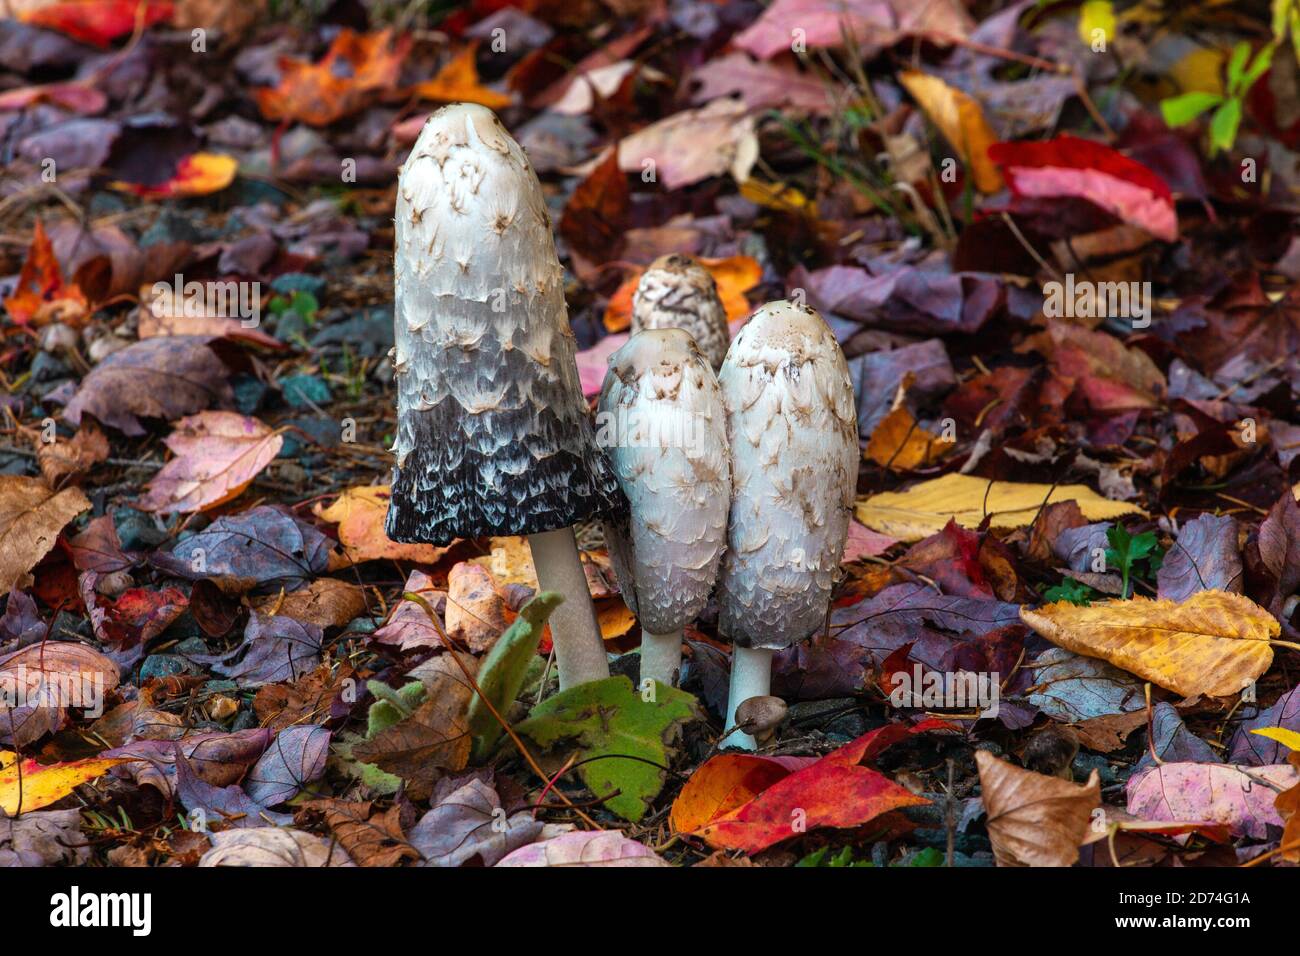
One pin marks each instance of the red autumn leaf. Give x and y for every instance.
(98, 22)
(836, 791)
(41, 294)
(137, 615)
(1068, 166)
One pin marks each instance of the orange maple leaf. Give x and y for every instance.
(457, 82)
(41, 295)
(317, 93)
(196, 175)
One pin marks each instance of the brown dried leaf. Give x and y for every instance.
(1035, 820)
(31, 517)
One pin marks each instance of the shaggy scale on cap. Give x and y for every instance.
(493, 436)
(676, 292)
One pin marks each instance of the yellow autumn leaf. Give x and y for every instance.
(1214, 643)
(360, 514)
(961, 121)
(29, 785)
(924, 509)
(777, 196)
(458, 82)
(900, 444)
(1097, 21)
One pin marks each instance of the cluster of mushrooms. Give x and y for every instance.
(729, 467)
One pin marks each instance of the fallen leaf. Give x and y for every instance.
(734, 277)
(873, 24)
(925, 508)
(961, 121)
(41, 295)
(43, 838)
(585, 848)
(218, 454)
(1075, 688)
(725, 783)
(100, 22)
(326, 602)
(470, 823)
(165, 377)
(31, 517)
(1035, 820)
(899, 443)
(458, 82)
(369, 837)
(360, 513)
(693, 145)
(273, 846)
(28, 785)
(1068, 166)
(762, 85)
(1214, 643)
(199, 174)
(262, 547)
(835, 791)
(476, 613)
(356, 68)
(610, 719)
(1241, 797)
(1204, 557)
(62, 461)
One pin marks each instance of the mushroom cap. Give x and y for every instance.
(676, 292)
(493, 436)
(663, 425)
(792, 427)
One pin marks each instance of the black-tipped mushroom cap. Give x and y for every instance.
(493, 436)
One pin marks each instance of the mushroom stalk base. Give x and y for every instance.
(751, 676)
(579, 649)
(661, 656)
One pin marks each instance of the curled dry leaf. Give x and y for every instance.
(31, 517)
(273, 846)
(476, 613)
(41, 295)
(1035, 820)
(585, 848)
(1214, 643)
(218, 454)
(326, 602)
(65, 461)
(961, 121)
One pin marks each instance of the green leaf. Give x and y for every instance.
(608, 719)
(1263, 60)
(1236, 64)
(502, 672)
(1223, 126)
(1181, 110)
(1126, 551)
(1069, 590)
(391, 706)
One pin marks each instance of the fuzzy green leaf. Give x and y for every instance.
(1181, 110)
(502, 672)
(608, 719)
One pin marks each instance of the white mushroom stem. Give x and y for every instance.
(661, 656)
(579, 649)
(751, 676)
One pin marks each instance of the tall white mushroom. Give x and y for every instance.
(493, 436)
(662, 422)
(676, 292)
(792, 427)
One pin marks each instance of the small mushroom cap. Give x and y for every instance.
(493, 436)
(792, 427)
(662, 423)
(676, 292)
